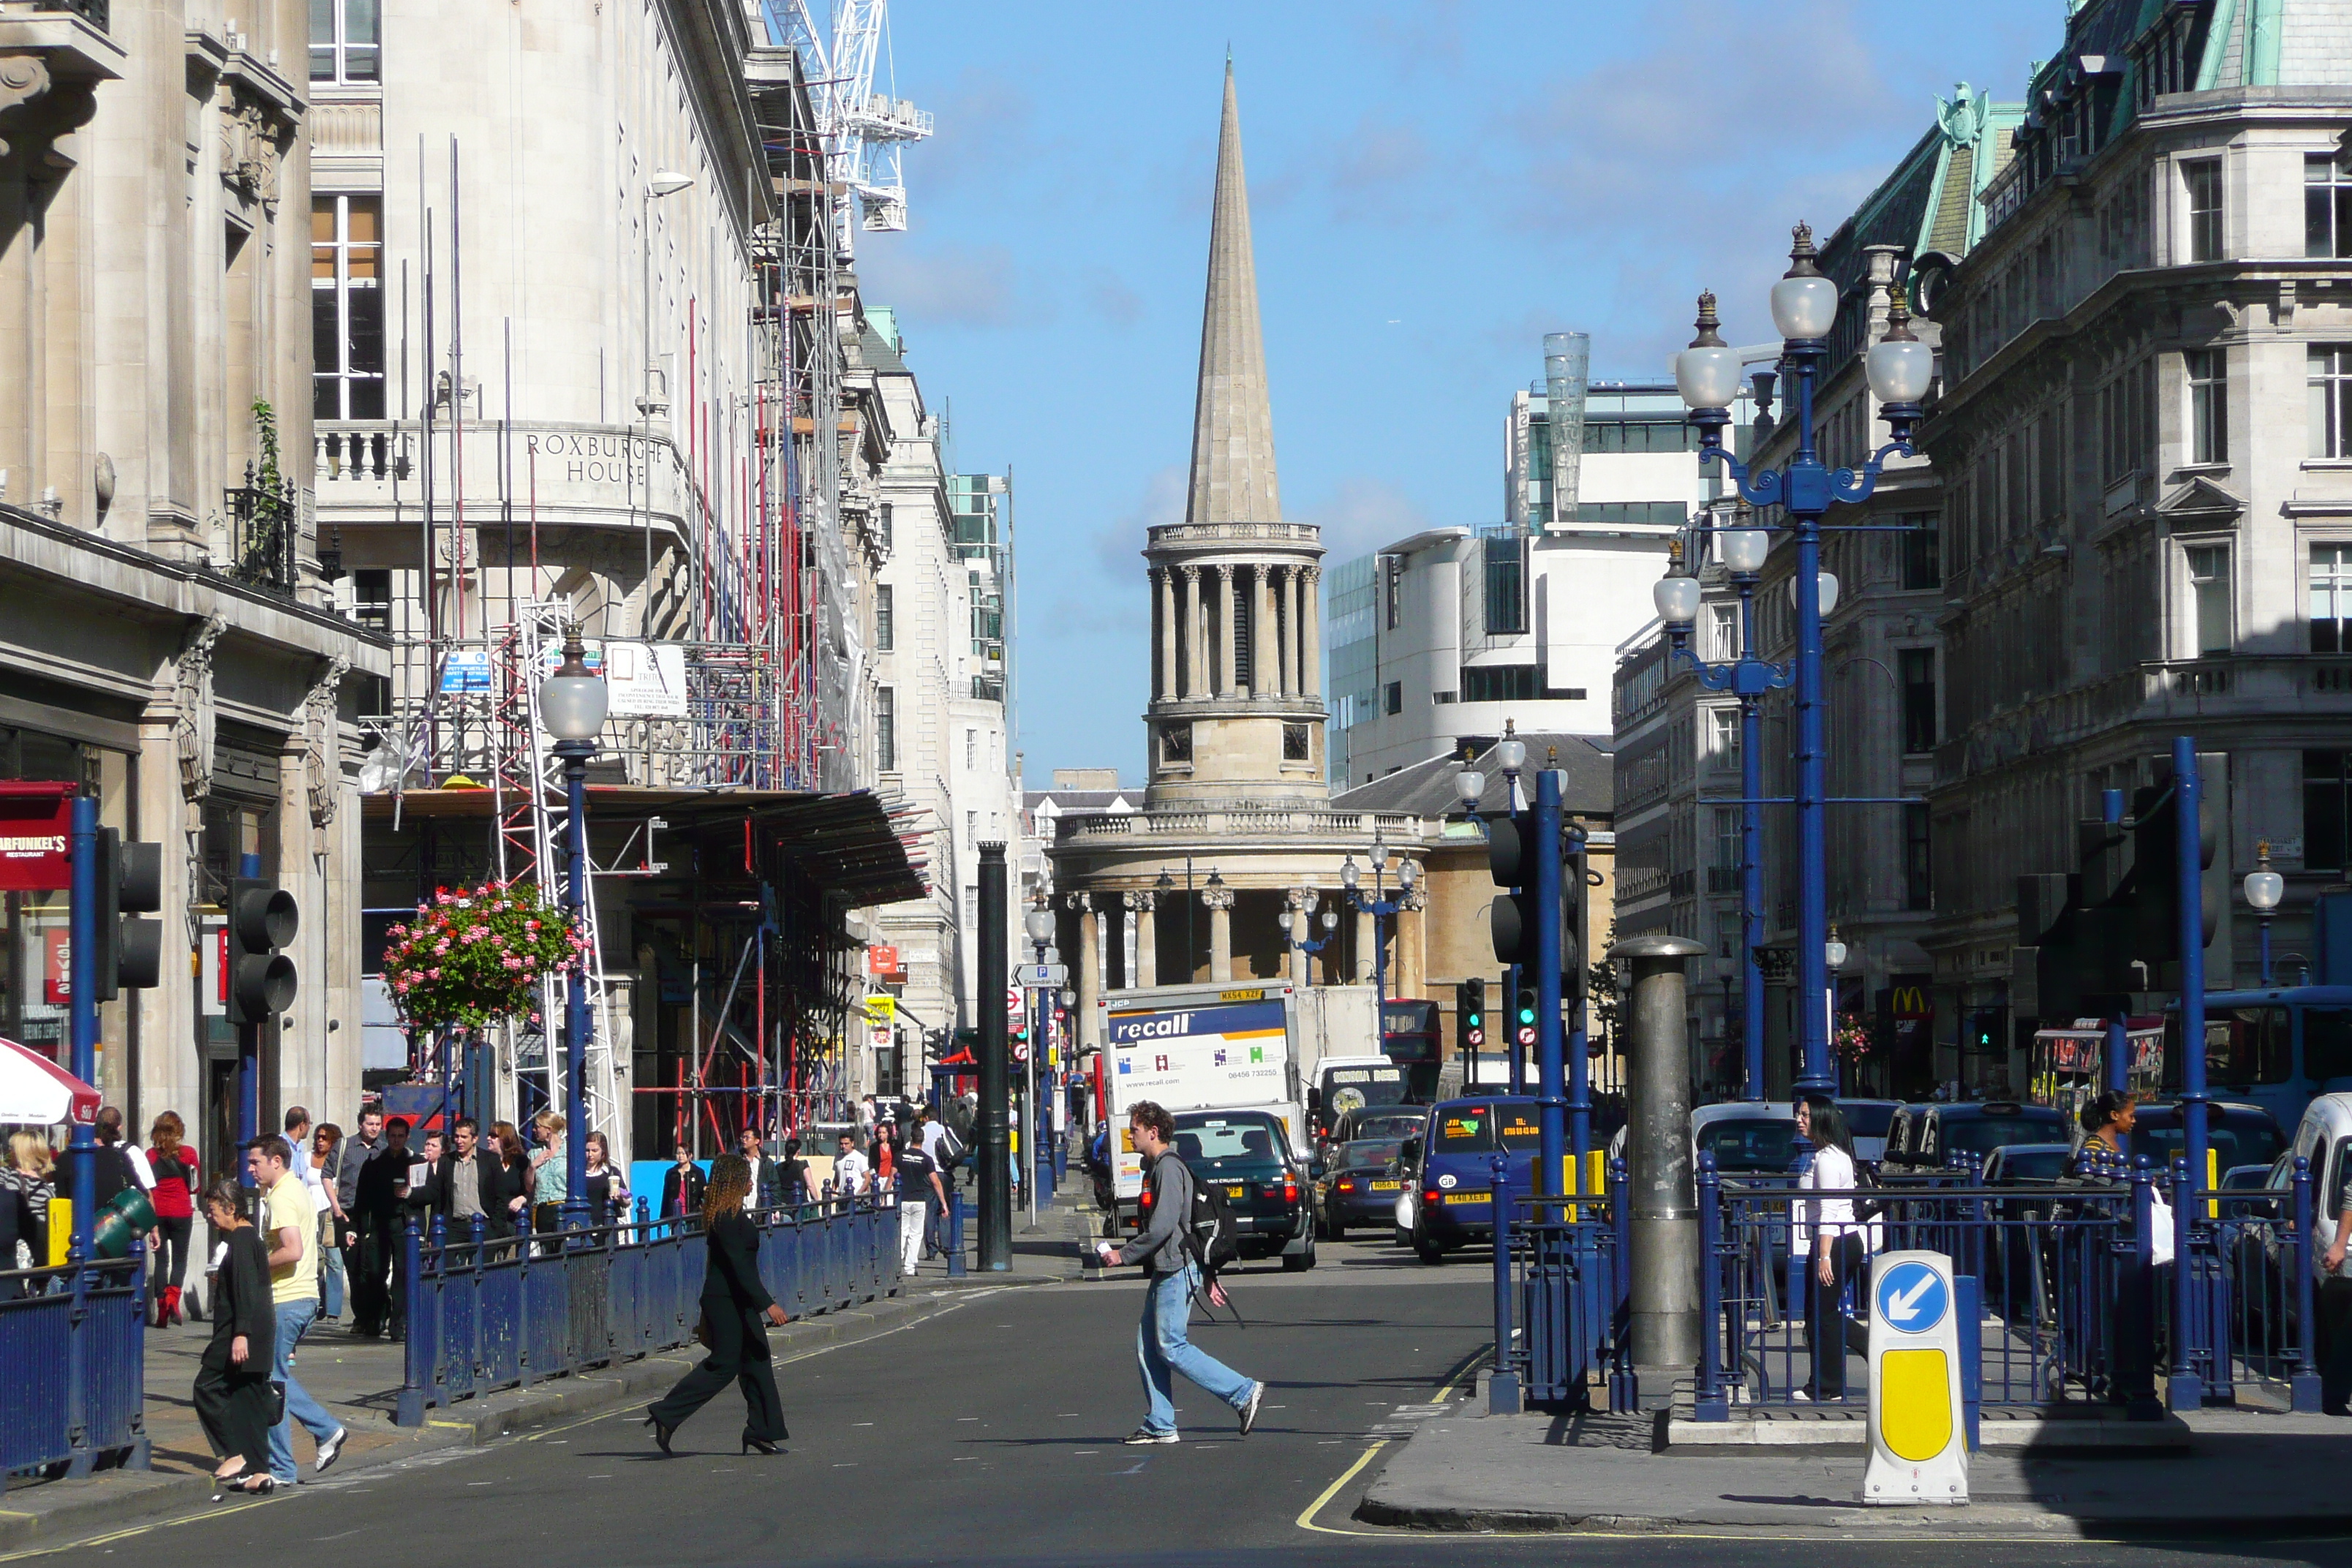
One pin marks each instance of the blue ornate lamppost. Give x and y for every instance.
(572, 704)
(1378, 905)
(1900, 369)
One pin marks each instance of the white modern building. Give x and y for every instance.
(1439, 638)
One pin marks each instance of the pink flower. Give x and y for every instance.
(431, 975)
(531, 926)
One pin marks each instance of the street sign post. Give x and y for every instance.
(1918, 1432)
(1042, 974)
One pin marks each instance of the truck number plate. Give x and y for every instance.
(1465, 1197)
(1236, 1190)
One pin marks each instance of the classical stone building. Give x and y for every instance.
(166, 637)
(2146, 438)
(1237, 832)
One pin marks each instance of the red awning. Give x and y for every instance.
(37, 1092)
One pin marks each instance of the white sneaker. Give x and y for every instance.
(1143, 1435)
(329, 1452)
(1249, 1411)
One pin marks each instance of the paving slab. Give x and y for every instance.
(1542, 1473)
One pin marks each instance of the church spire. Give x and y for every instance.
(1233, 422)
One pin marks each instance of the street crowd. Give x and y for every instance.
(313, 1233)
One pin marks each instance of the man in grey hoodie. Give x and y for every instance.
(1162, 1347)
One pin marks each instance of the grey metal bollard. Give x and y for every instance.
(1660, 1179)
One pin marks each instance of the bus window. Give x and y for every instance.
(2327, 1042)
(2248, 1046)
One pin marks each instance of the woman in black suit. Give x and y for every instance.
(234, 1399)
(733, 1301)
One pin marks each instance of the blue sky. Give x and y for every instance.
(1434, 186)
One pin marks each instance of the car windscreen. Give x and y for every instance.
(2040, 1165)
(1983, 1134)
(1370, 1153)
(1468, 1127)
(1749, 1144)
(1392, 1124)
(2234, 1142)
(1868, 1121)
(1352, 1089)
(1241, 1141)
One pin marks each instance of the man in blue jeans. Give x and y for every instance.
(289, 1229)
(1162, 1348)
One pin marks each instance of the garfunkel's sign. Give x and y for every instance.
(35, 835)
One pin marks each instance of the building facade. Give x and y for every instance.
(167, 638)
(2149, 477)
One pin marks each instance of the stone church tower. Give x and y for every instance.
(1236, 709)
(1236, 843)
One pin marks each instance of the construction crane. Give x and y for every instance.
(862, 130)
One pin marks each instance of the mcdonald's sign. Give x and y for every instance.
(1910, 999)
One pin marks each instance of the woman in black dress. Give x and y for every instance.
(234, 1398)
(733, 1301)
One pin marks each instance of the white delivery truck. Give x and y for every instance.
(1199, 1047)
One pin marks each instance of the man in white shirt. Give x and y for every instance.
(851, 1174)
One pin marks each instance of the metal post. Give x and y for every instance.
(1503, 1388)
(575, 1011)
(1551, 1132)
(81, 938)
(994, 1143)
(2188, 792)
(1664, 1306)
(1518, 1078)
(248, 1059)
(1751, 859)
(2264, 923)
(2184, 1390)
(1579, 1055)
(956, 1269)
(1708, 1400)
(1809, 496)
(2305, 1383)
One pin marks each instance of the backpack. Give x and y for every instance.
(1210, 1237)
(951, 1149)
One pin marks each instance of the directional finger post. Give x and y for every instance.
(1918, 1440)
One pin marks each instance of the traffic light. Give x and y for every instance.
(262, 918)
(1470, 1015)
(1522, 1025)
(2155, 883)
(1575, 892)
(129, 884)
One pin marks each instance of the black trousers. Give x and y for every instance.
(379, 1274)
(1825, 1328)
(171, 1249)
(234, 1407)
(739, 1354)
(2333, 1347)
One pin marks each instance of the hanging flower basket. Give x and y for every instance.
(1856, 1038)
(476, 955)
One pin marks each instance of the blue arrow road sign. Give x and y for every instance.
(1913, 1298)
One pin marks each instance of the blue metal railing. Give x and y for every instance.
(73, 1350)
(2245, 1294)
(490, 1314)
(1560, 1296)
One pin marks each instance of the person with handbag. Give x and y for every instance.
(733, 1303)
(236, 1401)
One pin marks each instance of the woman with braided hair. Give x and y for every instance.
(733, 1303)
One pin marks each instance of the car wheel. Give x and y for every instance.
(1302, 1260)
(1425, 1249)
(1335, 1228)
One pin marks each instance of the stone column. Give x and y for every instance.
(1265, 648)
(1225, 601)
(1089, 967)
(1367, 938)
(1163, 674)
(1291, 684)
(1413, 945)
(1311, 633)
(1144, 902)
(1221, 932)
(1196, 662)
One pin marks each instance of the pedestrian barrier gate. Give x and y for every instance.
(1918, 1429)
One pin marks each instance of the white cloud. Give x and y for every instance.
(969, 286)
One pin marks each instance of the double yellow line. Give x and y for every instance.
(1453, 1381)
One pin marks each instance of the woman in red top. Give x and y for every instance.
(175, 1165)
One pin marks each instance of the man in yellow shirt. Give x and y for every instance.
(289, 1229)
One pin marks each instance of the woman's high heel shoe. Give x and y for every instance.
(763, 1446)
(661, 1433)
